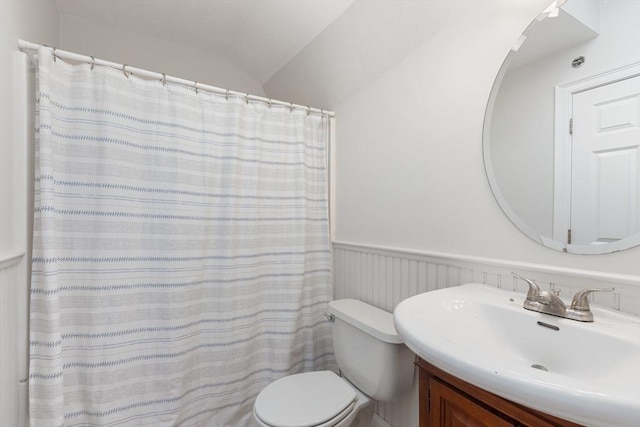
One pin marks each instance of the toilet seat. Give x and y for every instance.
(312, 399)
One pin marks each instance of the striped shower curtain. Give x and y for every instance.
(181, 259)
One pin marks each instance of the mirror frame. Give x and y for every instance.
(620, 245)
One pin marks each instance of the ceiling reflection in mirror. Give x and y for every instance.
(561, 139)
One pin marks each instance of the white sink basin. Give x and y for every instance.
(483, 335)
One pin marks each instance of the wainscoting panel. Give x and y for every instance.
(385, 276)
(14, 347)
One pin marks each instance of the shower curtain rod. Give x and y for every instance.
(126, 69)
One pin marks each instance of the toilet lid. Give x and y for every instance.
(304, 400)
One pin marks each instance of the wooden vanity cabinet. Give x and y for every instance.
(446, 401)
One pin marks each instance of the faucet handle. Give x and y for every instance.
(580, 301)
(534, 289)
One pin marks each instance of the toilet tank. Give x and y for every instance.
(369, 351)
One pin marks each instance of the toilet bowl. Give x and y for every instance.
(374, 363)
(312, 399)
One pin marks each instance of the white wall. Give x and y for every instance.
(523, 119)
(114, 44)
(410, 176)
(409, 149)
(32, 20)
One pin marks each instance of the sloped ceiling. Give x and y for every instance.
(369, 38)
(310, 52)
(551, 35)
(259, 36)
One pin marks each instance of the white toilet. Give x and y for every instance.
(375, 365)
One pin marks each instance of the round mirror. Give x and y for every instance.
(561, 140)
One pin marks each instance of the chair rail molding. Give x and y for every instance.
(8, 259)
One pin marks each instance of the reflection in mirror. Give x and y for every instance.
(562, 128)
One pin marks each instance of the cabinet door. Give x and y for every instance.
(452, 409)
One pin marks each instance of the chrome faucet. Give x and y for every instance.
(549, 302)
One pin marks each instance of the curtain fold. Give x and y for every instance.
(181, 254)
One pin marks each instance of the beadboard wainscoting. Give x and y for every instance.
(385, 276)
(13, 325)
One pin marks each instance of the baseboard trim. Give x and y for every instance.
(377, 421)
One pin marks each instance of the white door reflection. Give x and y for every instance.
(605, 163)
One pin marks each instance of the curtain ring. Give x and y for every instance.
(247, 98)
(291, 107)
(54, 54)
(124, 70)
(226, 95)
(308, 110)
(93, 62)
(270, 103)
(164, 79)
(196, 86)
